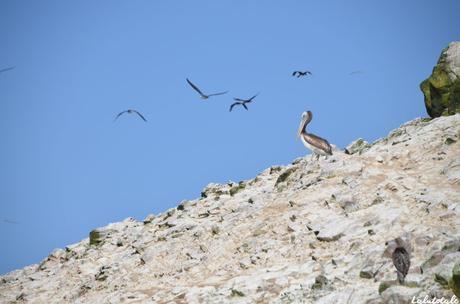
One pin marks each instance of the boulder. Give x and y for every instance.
(442, 88)
(358, 146)
(456, 279)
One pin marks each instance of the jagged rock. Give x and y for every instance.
(442, 88)
(149, 218)
(400, 294)
(443, 272)
(452, 171)
(309, 224)
(455, 285)
(100, 235)
(358, 146)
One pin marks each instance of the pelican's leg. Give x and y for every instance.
(317, 157)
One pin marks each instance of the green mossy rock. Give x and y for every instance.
(442, 88)
(99, 236)
(455, 283)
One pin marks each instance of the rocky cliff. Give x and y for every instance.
(309, 232)
(442, 88)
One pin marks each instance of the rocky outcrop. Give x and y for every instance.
(314, 231)
(442, 88)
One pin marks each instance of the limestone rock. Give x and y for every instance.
(442, 88)
(400, 294)
(358, 146)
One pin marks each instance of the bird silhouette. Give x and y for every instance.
(130, 111)
(400, 257)
(6, 69)
(301, 73)
(203, 96)
(242, 102)
(401, 260)
(356, 72)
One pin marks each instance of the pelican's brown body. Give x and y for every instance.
(316, 144)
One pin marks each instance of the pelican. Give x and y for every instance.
(316, 144)
(300, 73)
(203, 96)
(242, 102)
(131, 111)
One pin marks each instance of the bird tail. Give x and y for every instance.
(400, 277)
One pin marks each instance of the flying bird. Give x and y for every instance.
(356, 72)
(316, 144)
(10, 221)
(131, 111)
(6, 69)
(242, 102)
(301, 73)
(401, 259)
(203, 96)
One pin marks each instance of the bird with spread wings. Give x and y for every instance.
(301, 73)
(131, 111)
(242, 102)
(203, 96)
(6, 69)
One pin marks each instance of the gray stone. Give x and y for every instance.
(358, 146)
(399, 294)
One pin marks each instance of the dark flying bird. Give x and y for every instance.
(10, 221)
(401, 259)
(130, 111)
(6, 69)
(242, 102)
(356, 72)
(316, 144)
(203, 96)
(301, 73)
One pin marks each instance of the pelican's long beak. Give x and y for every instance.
(302, 124)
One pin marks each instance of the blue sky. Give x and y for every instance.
(67, 168)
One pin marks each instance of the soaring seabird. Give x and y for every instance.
(203, 96)
(130, 111)
(401, 259)
(6, 69)
(242, 102)
(316, 144)
(356, 72)
(301, 73)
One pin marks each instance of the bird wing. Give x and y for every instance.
(119, 114)
(250, 99)
(308, 72)
(6, 69)
(239, 99)
(140, 115)
(295, 72)
(233, 104)
(195, 87)
(245, 107)
(215, 94)
(318, 142)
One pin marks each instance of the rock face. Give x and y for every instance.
(442, 88)
(309, 232)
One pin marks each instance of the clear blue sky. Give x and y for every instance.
(67, 168)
